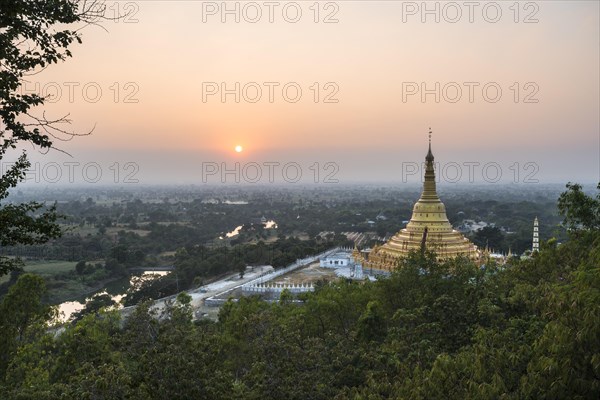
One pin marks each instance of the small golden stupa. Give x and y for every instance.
(428, 228)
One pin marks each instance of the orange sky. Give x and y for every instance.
(369, 57)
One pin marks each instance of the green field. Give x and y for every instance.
(60, 284)
(45, 269)
(48, 268)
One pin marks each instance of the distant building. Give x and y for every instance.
(500, 258)
(381, 217)
(469, 225)
(335, 260)
(343, 262)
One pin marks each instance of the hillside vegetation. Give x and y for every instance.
(530, 330)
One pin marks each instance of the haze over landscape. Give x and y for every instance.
(151, 84)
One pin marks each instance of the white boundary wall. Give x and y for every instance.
(260, 285)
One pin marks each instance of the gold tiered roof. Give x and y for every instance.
(429, 226)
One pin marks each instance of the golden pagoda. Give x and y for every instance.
(428, 228)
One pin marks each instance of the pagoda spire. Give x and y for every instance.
(429, 189)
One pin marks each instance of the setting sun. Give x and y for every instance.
(238, 149)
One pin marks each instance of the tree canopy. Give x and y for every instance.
(34, 34)
(580, 210)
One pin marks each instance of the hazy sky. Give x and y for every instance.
(162, 70)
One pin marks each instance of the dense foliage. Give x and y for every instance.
(579, 209)
(530, 330)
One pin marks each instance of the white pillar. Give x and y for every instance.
(536, 237)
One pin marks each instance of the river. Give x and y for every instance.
(115, 289)
(270, 224)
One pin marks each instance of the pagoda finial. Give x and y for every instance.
(429, 157)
